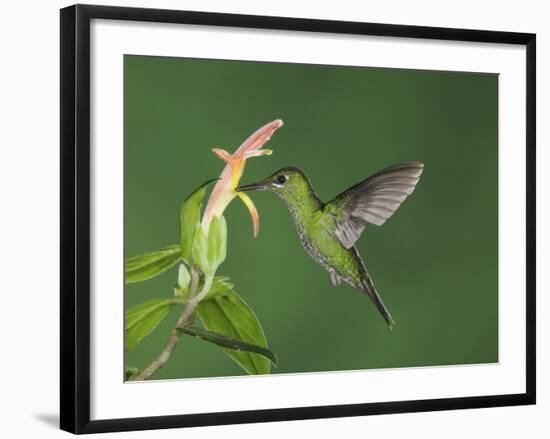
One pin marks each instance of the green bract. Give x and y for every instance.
(184, 280)
(220, 284)
(190, 213)
(228, 320)
(217, 241)
(200, 249)
(209, 250)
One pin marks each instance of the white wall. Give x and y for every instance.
(29, 203)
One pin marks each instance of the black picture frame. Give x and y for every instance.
(75, 217)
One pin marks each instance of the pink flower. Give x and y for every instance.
(224, 190)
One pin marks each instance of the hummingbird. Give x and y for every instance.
(329, 231)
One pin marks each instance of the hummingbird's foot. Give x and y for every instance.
(334, 278)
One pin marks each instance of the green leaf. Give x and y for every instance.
(220, 285)
(228, 342)
(190, 214)
(148, 265)
(130, 372)
(227, 314)
(143, 318)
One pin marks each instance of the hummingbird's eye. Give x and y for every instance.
(281, 179)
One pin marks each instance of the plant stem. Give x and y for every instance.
(186, 318)
(208, 279)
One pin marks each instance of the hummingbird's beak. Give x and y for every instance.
(259, 186)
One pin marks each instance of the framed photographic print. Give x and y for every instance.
(285, 218)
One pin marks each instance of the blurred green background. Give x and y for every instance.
(435, 262)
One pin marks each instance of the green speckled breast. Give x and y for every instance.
(324, 248)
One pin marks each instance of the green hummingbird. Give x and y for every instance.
(328, 231)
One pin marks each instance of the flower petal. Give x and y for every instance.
(259, 137)
(257, 153)
(253, 212)
(224, 190)
(221, 196)
(223, 154)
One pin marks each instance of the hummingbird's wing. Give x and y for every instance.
(373, 200)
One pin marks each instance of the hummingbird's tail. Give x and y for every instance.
(368, 287)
